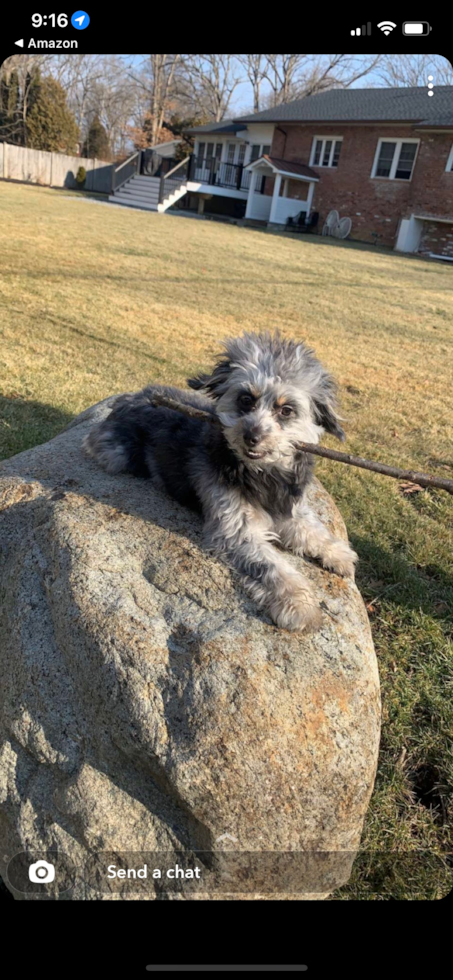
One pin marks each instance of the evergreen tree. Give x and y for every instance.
(33, 85)
(50, 124)
(97, 142)
(9, 106)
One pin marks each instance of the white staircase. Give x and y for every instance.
(143, 192)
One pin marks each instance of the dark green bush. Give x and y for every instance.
(81, 177)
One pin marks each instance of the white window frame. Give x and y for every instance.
(260, 151)
(324, 140)
(449, 167)
(396, 156)
(234, 146)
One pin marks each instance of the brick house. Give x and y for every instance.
(383, 157)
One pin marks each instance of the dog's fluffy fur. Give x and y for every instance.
(246, 477)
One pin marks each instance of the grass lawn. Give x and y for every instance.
(96, 300)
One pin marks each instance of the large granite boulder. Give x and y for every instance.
(148, 707)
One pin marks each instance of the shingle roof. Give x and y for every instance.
(226, 126)
(434, 121)
(365, 105)
(288, 166)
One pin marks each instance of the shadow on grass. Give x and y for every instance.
(388, 576)
(25, 423)
(83, 194)
(353, 244)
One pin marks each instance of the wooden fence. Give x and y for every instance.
(52, 169)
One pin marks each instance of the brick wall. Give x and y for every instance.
(437, 237)
(373, 204)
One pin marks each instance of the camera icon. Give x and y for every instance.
(41, 872)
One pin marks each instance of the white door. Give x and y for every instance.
(207, 157)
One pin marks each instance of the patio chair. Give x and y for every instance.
(296, 221)
(311, 222)
(301, 223)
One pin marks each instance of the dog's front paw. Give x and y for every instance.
(340, 558)
(296, 609)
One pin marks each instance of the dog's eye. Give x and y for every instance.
(286, 411)
(245, 401)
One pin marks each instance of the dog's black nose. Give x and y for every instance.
(251, 438)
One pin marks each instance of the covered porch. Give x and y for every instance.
(290, 193)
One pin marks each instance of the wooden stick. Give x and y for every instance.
(423, 479)
(193, 413)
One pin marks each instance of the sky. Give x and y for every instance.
(242, 100)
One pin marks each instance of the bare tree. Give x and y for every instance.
(80, 75)
(413, 69)
(113, 99)
(296, 76)
(338, 71)
(209, 83)
(157, 79)
(281, 71)
(255, 69)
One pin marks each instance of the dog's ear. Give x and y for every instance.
(324, 405)
(213, 384)
(198, 382)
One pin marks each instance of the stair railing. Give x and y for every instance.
(125, 170)
(170, 183)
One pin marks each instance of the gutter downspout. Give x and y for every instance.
(285, 134)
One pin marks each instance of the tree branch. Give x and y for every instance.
(423, 479)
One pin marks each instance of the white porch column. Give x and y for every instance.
(277, 185)
(249, 208)
(311, 191)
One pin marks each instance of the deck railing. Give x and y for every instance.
(150, 163)
(217, 174)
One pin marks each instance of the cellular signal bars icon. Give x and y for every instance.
(365, 29)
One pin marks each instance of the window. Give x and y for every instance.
(406, 161)
(259, 150)
(231, 150)
(385, 160)
(200, 154)
(241, 155)
(326, 152)
(336, 153)
(395, 159)
(205, 152)
(449, 167)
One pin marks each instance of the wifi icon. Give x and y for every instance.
(386, 26)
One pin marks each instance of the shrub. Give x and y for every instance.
(81, 177)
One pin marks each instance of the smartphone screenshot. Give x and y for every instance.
(226, 478)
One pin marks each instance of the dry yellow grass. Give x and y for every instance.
(96, 299)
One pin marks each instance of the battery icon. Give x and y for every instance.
(416, 28)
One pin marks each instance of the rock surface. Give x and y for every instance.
(147, 707)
